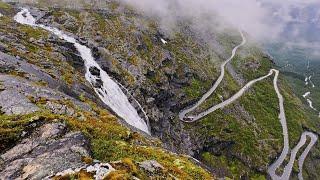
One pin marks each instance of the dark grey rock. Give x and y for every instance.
(94, 71)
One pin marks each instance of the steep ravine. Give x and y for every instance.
(52, 123)
(157, 74)
(108, 90)
(167, 74)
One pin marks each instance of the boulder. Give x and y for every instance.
(151, 166)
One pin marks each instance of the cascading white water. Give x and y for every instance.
(108, 90)
(112, 95)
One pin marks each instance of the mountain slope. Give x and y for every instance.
(165, 74)
(43, 77)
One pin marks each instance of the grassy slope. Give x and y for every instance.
(110, 141)
(263, 136)
(253, 140)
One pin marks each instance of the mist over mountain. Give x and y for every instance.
(159, 89)
(264, 20)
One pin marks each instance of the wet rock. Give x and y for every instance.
(47, 151)
(98, 83)
(14, 103)
(94, 71)
(151, 166)
(163, 98)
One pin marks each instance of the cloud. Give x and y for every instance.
(262, 19)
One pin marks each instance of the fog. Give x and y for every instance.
(295, 23)
(264, 20)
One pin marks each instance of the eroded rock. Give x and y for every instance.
(47, 151)
(59, 108)
(14, 103)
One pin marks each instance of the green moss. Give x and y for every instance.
(5, 6)
(230, 168)
(111, 142)
(196, 88)
(32, 32)
(11, 127)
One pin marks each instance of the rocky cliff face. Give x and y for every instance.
(43, 77)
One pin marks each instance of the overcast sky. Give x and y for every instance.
(262, 19)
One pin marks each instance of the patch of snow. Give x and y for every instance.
(1, 15)
(164, 41)
(306, 94)
(311, 105)
(306, 81)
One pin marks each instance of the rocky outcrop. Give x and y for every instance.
(17, 90)
(151, 166)
(14, 103)
(48, 150)
(96, 170)
(46, 72)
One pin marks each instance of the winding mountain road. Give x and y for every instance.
(111, 94)
(282, 117)
(182, 114)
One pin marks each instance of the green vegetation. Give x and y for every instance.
(109, 140)
(249, 130)
(11, 127)
(4, 5)
(261, 132)
(258, 132)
